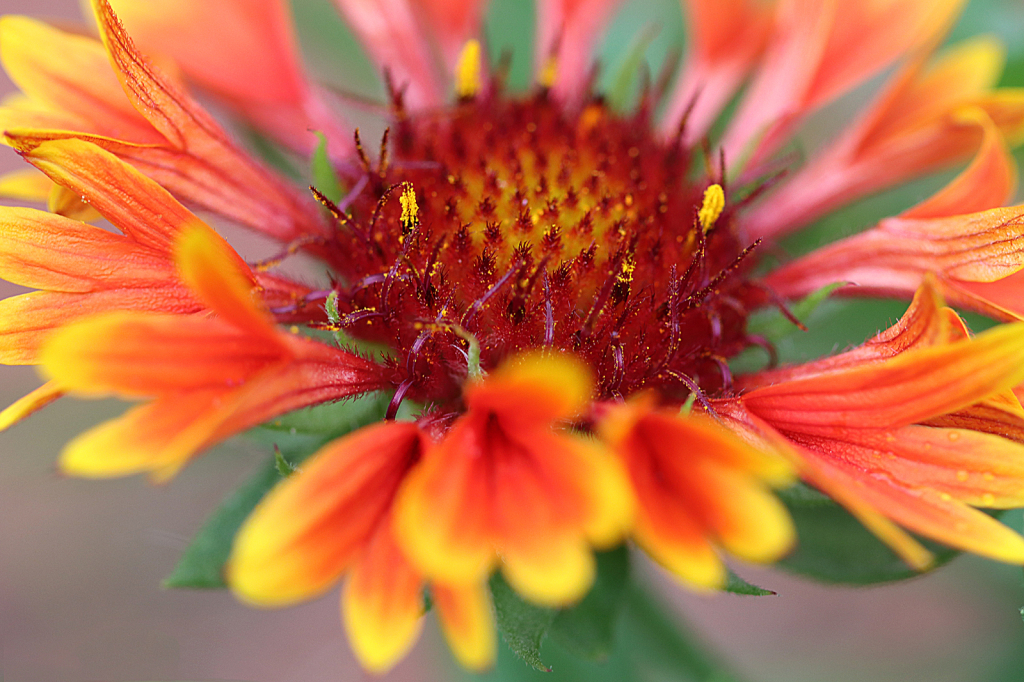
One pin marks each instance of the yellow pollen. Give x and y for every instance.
(467, 70)
(548, 73)
(711, 208)
(410, 209)
(625, 275)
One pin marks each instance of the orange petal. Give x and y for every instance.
(255, 66)
(821, 49)
(979, 469)
(534, 388)
(727, 38)
(382, 603)
(919, 124)
(69, 73)
(985, 418)
(158, 437)
(196, 142)
(924, 510)
(314, 524)
(218, 275)
(927, 322)
(912, 387)
(46, 251)
(892, 258)
(140, 354)
(133, 203)
(27, 320)
(466, 619)
(989, 182)
(162, 436)
(29, 404)
(534, 496)
(698, 486)
(817, 471)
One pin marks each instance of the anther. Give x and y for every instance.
(410, 209)
(712, 206)
(467, 70)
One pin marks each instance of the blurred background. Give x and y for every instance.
(81, 562)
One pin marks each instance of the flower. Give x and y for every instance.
(562, 287)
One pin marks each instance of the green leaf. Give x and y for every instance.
(295, 437)
(588, 628)
(738, 585)
(522, 625)
(325, 177)
(834, 547)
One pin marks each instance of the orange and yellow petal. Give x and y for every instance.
(46, 251)
(382, 603)
(311, 527)
(27, 320)
(156, 438)
(25, 185)
(926, 511)
(29, 404)
(912, 387)
(144, 354)
(69, 73)
(467, 620)
(133, 203)
(536, 498)
(534, 388)
(219, 276)
(697, 487)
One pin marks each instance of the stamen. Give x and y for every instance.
(467, 70)
(712, 206)
(410, 209)
(548, 73)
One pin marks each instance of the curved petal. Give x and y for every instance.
(311, 527)
(467, 622)
(382, 603)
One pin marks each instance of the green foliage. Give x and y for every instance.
(588, 628)
(521, 624)
(294, 437)
(325, 177)
(738, 585)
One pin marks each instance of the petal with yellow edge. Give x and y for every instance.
(29, 404)
(71, 74)
(924, 510)
(466, 618)
(382, 602)
(698, 487)
(313, 526)
(912, 387)
(504, 483)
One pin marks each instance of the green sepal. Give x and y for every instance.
(325, 177)
(738, 585)
(522, 625)
(588, 628)
(294, 437)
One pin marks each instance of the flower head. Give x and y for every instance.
(561, 287)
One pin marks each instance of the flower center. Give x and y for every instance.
(528, 226)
